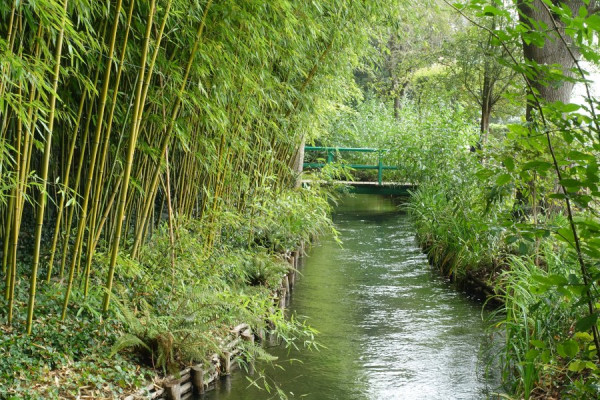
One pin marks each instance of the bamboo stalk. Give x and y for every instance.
(142, 222)
(80, 168)
(106, 212)
(92, 163)
(10, 40)
(169, 130)
(127, 173)
(12, 229)
(44, 174)
(93, 166)
(66, 176)
(23, 162)
(170, 209)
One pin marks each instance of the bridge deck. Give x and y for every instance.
(386, 188)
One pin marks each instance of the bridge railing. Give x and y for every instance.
(331, 151)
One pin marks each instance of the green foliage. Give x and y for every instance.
(162, 107)
(262, 270)
(177, 314)
(427, 142)
(230, 90)
(169, 315)
(369, 124)
(406, 47)
(457, 237)
(174, 123)
(548, 345)
(523, 210)
(59, 359)
(433, 143)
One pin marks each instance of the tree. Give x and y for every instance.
(476, 62)
(548, 50)
(410, 43)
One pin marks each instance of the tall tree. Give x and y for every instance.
(475, 62)
(548, 49)
(412, 42)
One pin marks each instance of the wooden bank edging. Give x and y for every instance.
(197, 379)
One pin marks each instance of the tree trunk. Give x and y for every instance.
(393, 61)
(486, 111)
(397, 97)
(299, 163)
(486, 106)
(554, 52)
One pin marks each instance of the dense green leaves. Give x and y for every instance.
(227, 91)
(159, 111)
(195, 111)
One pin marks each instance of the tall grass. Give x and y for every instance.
(457, 238)
(545, 352)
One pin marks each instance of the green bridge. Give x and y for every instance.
(361, 187)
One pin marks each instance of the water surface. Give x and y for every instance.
(391, 326)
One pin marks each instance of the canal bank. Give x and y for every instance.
(390, 326)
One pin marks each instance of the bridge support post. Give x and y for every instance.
(379, 169)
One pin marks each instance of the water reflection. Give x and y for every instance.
(393, 329)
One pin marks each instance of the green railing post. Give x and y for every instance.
(379, 169)
(329, 156)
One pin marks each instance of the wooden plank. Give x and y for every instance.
(173, 390)
(185, 388)
(239, 328)
(198, 379)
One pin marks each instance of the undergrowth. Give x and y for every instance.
(170, 311)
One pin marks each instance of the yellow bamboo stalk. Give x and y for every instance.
(167, 135)
(66, 176)
(10, 40)
(137, 114)
(93, 154)
(104, 153)
(171, 219)
(106, 212)
(79, 170)
(44, 173)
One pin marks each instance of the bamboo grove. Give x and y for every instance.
(117, 115)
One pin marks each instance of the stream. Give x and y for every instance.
(391, 327)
